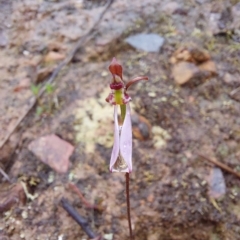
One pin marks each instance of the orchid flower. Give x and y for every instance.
(121, 158)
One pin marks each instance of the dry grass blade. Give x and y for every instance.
(74, 188)
(4, 175)
(220, 165)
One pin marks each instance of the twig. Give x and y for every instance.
(83, 40)
(128, 207)
(233, 92)
(78, 218)
(221, 165)
(5, 175)
(83, 199)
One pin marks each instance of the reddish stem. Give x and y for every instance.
(128, 207)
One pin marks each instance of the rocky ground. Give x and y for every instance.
(189, 106)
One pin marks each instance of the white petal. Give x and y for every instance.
(126, 139)
(115, 150)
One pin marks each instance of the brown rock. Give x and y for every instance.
(184, 71)
(208, 66)
(182, 54)
(53, 57)
(193, 54)
(199, 55)
(53, 151)
(192, 62)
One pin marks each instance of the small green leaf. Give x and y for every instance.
(35, 89)
(49, 88)
(39, 111)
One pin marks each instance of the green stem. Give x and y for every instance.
(123, 111)
(118, 96)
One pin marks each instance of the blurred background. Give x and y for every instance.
(56, 127)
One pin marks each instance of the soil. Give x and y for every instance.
(169, 185)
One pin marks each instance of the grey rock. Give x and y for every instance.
(3, 39)
(150, 42)
(217, 186)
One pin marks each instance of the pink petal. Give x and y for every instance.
(115, 151)
(126, 139)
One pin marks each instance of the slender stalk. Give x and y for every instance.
(123, 112)
(128, 207)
